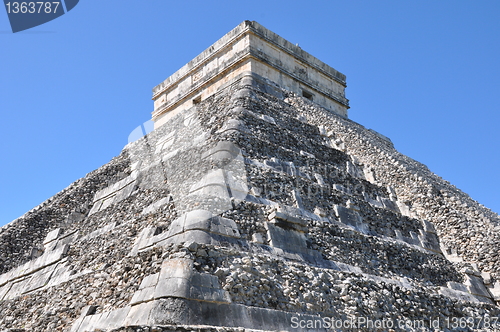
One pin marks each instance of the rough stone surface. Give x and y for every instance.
(254, 210)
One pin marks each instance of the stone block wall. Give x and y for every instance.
(250, 211)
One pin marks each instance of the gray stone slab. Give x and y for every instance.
(180, 311)
(113, 188)
(17, 288)
(355, 171)
(232, 126)
(224, 226)
(88, 323)
(173, 311)
(95, 208)
(404, 209)
(205, 280)
(40, 278)
(48, 258)
(165, 142)
(290, 218)
(268, 119)
(351, 218)
(430, 241)
(6, 277)
(390, 205)
(476, 286)
(139, 314)
(347, 216)
(149, 281)
(145, 238)
(52, 235)
(457, 286)
(341, 188)
(124, 193)
(198, 236)
(75, 327)
(176, 268)
(100, 231)
(173, 287)
(68, 238)
(197, 215)
(99, 321)
(107, 202)
(176, 227)
(286, 239)
(459, 295)
(143, 295)
(170, 155)
(204, 224)
(115, 318)
(373, 202)
(228, 146)
(214, 190)
(237, 185)
(369, 175)
(4, 290)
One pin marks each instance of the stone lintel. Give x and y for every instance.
(250, 49)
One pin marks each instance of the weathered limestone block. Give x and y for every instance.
(355, 171)
(223, 152)
(476, 286)
(32, 275)
(457, 286)
(113, 194)
(178, 279)
(196, 225)
(369, 174)
(89, 321)
(138, 314)
(390, 204)
(404, 209)
(286, 239)
(457, 294)
(430, 241)
(495, 291)
(152, 208)
(52, 236)
(351, 218)
(48, 258)
(176, 311)
(146, 289)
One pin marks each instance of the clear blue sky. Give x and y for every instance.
(424, 73)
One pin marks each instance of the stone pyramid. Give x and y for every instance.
(254, 205)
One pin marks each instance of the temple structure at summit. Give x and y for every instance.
(250, 49)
